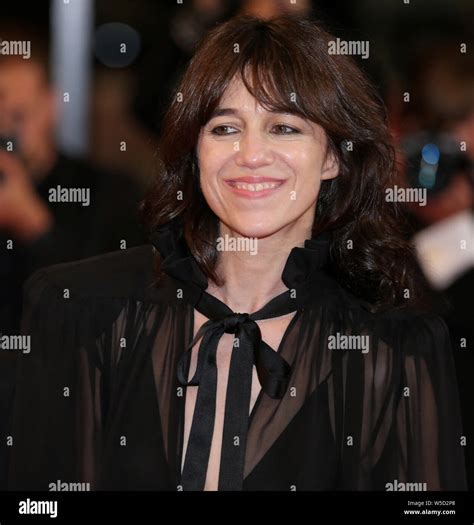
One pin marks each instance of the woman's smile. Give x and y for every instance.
(254, 187)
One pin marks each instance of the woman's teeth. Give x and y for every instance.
(255, 187)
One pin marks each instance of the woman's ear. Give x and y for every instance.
(330, 166)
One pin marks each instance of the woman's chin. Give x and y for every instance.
(259, 231)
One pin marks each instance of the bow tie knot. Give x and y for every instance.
(232, 322)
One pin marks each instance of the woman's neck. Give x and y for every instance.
(253, 279)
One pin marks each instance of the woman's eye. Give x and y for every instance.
(223, 130)
(278, 129)
(282, 129)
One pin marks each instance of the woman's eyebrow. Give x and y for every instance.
(221, 112)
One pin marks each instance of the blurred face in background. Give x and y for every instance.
(27, 112)
(260, 171)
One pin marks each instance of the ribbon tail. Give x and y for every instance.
(203, 352)
(234, 437)
(200, 437)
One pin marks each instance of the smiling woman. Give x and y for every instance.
(314, 369)
(268, 100)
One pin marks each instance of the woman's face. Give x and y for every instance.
(261, 171)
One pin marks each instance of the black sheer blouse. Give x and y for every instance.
(350, 400)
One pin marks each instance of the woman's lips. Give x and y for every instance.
(254, 189)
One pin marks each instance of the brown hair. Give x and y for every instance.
(276, 58)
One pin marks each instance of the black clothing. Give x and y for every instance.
(99, 396)
(454, 305)
(78, 232)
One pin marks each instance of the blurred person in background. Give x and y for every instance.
(37, 228)
(438, 138)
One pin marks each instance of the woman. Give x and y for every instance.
(268, 340)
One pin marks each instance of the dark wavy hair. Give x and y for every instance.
(276, 58)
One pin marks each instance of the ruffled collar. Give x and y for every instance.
(178, 262)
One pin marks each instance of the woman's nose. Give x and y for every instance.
(253, 151)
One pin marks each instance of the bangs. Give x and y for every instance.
(274, 95)
(271, 72)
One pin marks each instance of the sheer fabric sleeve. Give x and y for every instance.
(57, 409)
(397, 421)
(429, 439)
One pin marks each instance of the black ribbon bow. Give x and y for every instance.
(248, 350)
